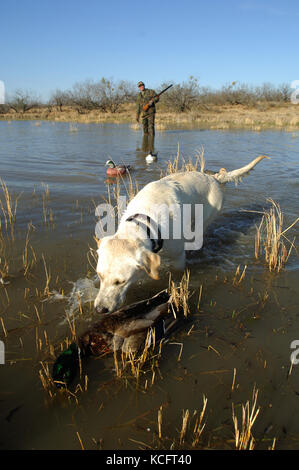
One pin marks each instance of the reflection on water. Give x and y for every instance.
(59, 177)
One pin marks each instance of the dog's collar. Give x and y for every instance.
(149, 225)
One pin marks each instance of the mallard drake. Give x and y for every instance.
(124, 330)
(151, 157)
(116, 170)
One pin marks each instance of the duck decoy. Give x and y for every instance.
(125, 330)
(116, 170)
(151, 157)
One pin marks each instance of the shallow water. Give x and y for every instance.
(57, 175)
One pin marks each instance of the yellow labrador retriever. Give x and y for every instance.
(156, 229)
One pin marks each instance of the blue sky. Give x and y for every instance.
(49, 44)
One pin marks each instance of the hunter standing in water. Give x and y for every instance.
(144, 98)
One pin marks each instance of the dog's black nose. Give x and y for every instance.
(102, 310)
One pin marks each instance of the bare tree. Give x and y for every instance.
(59, 98)
(181, 97)
(114, 94)
(284, 92)
(86, 96)
(268, 92)
(129, 91)
(104, 95)
(22, 101)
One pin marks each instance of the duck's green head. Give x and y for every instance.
(110, 164)
(66, 366)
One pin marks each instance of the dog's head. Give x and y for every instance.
(120, 264)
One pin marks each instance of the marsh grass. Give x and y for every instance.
(8, 206)
(180, 164)
(188, 434)
(46, 380)
(244, 439)
(130, 186)
(73, 127)
(180, 294)
(271, 241)
(46, 291)
(3, 327)
(193, 434)
(239, 276)
(4, 267)
(139, 368)
(17, 254)
(29, 256)
(61, 395)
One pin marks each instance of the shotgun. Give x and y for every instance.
(147, 105)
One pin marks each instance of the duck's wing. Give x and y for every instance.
(137, 311)
(141, 324)
(161, 327)
(134, 343)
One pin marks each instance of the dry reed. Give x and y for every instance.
(28, 261)
(199, 425)
(9, 209)
(270, 238)
(244, 439)
(134, 365)
(48, 278)
(180, 164)
(191, 428)
(239, 276)
(184, 427)
(160, 422)
(180, 294)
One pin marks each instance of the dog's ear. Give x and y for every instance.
(150, 262)
(98, 241)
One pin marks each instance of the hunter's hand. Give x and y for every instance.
(151, 102)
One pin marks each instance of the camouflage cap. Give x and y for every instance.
(140, 84)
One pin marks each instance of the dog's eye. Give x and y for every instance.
(118, 283)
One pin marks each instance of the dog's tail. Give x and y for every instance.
(224, 176)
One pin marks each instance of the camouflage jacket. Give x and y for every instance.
(143, 98)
